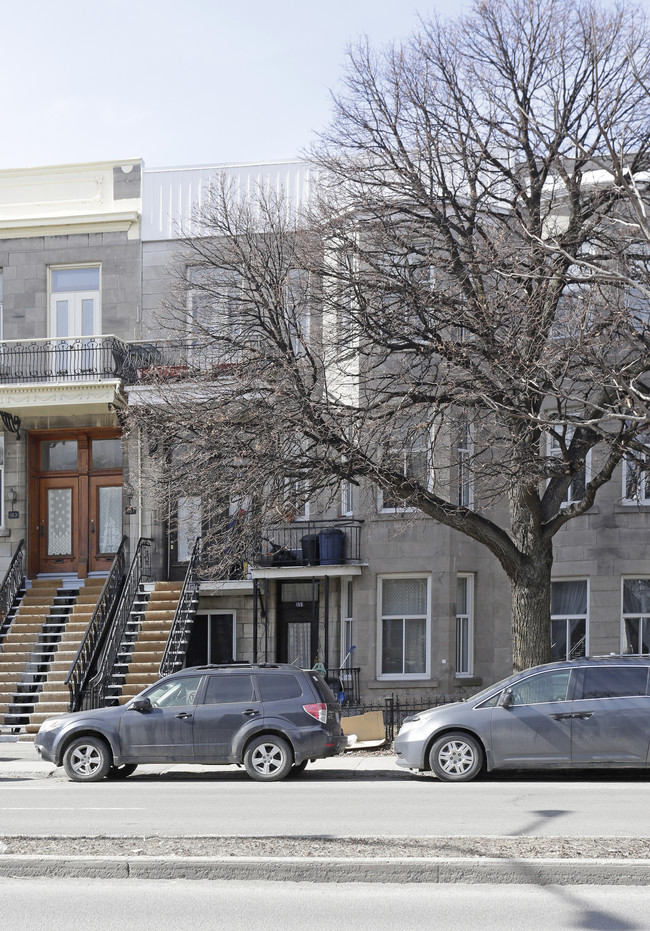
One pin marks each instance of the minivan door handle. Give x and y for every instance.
(562, 717)
(250, 712)
(582, 714)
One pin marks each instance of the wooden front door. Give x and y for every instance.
(59, 518)
(76, 500)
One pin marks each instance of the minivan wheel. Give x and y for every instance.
(456, 758)
(87, 759)
(268, 758)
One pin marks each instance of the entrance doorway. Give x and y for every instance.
(213, 640)
(298, 623)
(76, 497)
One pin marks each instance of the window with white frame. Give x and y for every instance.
(214, 321)
(412, 463)
(569, 618)
(404, 630)
(296, 497)
(636, 479)
(635, 636)
(296, 302)
(464, 452)
(347, 499)
(347, 622)
(576, 490)
(464, 625)
(75, 301)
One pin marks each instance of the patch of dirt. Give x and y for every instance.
(445, 847)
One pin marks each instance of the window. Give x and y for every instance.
(464, 452)
(75, 301)
(229, 688)
(404, 627)
(1, 305)
(465, 625)
(413, 464)
(347, 622)
(635, 637)
(296, 305)
(541, 688)
(189, 517)
(636, 480)
(576, 490)
(278, 688)
(347, 499)
(614, 681)
(296, 497)
(568, 619)
(173, 692)
(215, 320)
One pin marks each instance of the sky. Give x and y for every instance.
(180, 82)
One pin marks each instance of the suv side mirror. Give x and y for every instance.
(507, 699)
(141, 704)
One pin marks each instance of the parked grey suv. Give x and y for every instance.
(590, 712)
(272, 719)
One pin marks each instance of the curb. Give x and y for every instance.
(540, 872)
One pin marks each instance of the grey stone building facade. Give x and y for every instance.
(88, 257)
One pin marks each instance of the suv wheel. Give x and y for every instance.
(456, 758)
(87, 759)
(268, 758)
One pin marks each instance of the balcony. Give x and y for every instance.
(91, 358)
(308, 544)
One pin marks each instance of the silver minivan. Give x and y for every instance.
(589, 712)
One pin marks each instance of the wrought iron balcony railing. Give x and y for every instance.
(311, 543)
(93, 358)
(90, 358)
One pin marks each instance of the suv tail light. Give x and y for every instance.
(318, 711)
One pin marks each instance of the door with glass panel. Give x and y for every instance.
(105, 521)
(58, 536)
(74, 320)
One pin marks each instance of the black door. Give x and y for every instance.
(298, 623)
(212, 640)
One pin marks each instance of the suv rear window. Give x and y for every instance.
(615, 681)
(278, 687)
(323, 688)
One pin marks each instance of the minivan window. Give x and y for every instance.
(544, 687)
(614, 681)
(229, 688)
(276, 688)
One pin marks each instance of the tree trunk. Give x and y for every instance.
(531, 610)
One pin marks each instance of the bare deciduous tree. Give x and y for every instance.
(460, 317)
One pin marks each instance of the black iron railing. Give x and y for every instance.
(89, 358)
(395, 708)
(96, 631)
(95, 694)
(344, 683)
(176, 648)
(311, 543)
(13, 581)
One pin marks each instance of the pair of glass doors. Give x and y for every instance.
(76, 495)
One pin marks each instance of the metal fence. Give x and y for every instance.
(395, 708)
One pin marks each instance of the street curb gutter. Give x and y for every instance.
(539, 872)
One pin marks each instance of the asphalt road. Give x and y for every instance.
(383, 802)
(176, 905)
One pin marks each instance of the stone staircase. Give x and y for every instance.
(39, 647)
(144, 640)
